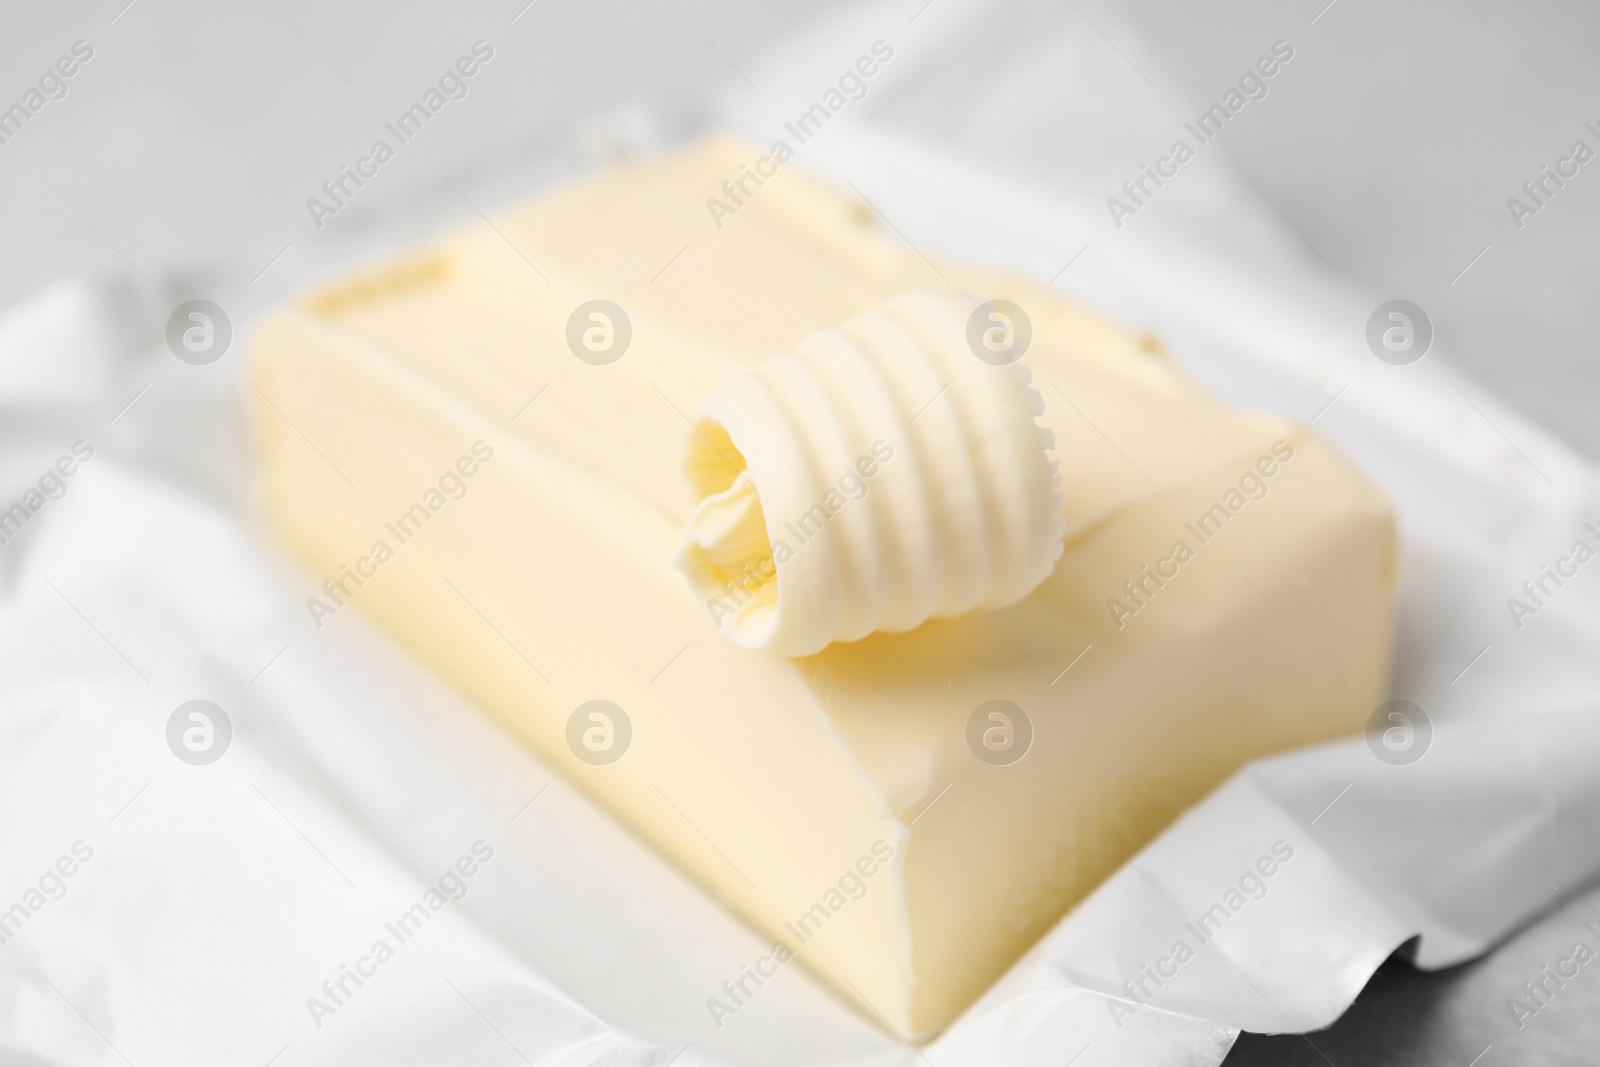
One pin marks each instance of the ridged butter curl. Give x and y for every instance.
(877, 476)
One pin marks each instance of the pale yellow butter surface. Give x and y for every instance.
(548, 582)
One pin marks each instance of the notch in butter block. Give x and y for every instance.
(467, 454)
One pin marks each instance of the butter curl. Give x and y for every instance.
(877, 476)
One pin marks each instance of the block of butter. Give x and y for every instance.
(482, 447)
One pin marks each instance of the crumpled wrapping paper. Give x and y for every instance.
(220, 898)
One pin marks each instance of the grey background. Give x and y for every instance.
(186, 148)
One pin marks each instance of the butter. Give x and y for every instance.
(968, 517)
(551, 584)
